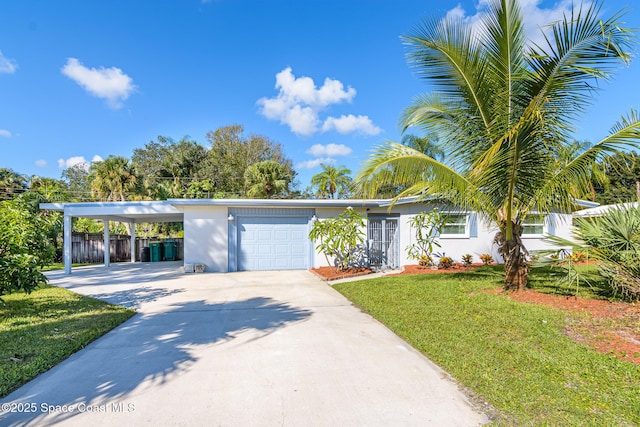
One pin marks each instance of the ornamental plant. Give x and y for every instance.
(445, 262)
(341, 238)
(467, 259)
(427, 226)
(486, 259)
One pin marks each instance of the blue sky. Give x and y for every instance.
(328, 79)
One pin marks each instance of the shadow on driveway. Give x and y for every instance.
(147, 350)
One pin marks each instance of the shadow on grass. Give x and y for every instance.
(589, 283)
(489, 272)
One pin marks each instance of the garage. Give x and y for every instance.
(279, 243)
(274, 240)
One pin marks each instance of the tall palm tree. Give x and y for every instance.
(332, 180)
(266, 179)
(112, 179)
(504, 110)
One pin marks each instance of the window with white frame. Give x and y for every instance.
(533, 225)
(455, 225)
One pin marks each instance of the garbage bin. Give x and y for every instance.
(145, 255)
(169, 247)
(156, 251)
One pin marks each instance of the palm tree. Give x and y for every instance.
(53, 190)
(426, 145)
(11, 183)
(267, 178)
(504, 110)
(112, 178)
(332, 180)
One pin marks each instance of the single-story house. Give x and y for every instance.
(272, 234)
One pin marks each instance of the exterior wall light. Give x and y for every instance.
(314, 218)
(230, 217)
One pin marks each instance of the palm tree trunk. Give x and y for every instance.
(516, 268)
(515, 255)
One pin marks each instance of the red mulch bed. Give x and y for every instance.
(608, 327)
(456, 268)
(332, 273)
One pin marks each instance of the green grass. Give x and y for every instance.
(60, 266)
(512, 355)
(39, 330)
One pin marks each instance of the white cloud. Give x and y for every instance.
(41, 163)
(310, 164)
(110, 84)
(329, 150)
(324, 154)
(7, 66)
(72, 161)
(299, 102)
(536, 17)
(5, 133)
(348, 124)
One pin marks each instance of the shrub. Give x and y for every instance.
(467, 259)
(486, 259)
(613, 240)
(25, 246)
(425, 261)
(445, 262)
(579, 256)
(427, 226)
(341, 238)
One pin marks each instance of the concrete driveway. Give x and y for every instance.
(238, 349)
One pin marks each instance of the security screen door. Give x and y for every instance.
(383, 242)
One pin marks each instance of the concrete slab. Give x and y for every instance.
(236, 349)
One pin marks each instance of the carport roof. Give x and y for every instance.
(136, 212)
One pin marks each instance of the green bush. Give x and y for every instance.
(613, 240)
(341, 238)
(25, 246)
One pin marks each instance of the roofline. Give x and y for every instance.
(324, 203)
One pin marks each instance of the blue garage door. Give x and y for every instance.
(276, 243)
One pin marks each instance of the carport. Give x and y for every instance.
(127, 212)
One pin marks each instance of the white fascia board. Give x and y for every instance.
(278, 203)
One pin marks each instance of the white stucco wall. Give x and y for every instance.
(478, 241)
(206, 237)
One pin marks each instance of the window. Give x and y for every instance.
(533, 225)
(456, 224)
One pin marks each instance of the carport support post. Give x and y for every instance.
(66, 243)
(107, 246)
(132, 227)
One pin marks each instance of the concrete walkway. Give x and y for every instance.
(237, 349)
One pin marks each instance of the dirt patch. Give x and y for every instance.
(608, 327)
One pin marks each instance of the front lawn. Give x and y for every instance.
(515, 356)
(39, 330)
